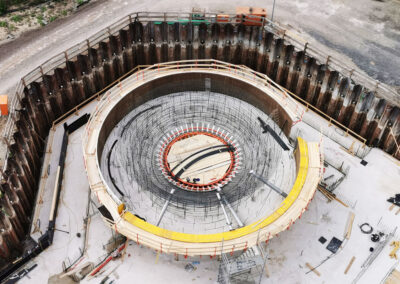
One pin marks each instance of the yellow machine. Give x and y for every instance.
(396, 245)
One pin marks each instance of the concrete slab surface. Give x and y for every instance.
(365, 190)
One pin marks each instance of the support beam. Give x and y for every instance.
(228, 221)
(268, 129)
(274, 187)
(240, 223)
(165, 206)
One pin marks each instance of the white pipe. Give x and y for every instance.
(165, 206)
(228, 222)
(230, 208)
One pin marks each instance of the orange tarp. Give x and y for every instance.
(4, 104)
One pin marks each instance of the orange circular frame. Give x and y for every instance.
(190, 132)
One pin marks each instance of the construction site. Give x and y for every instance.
(199, 147)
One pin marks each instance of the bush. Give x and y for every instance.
(3, 24)
(16, 18)
(16, 2)
(3, 6)
(52, 18)
(37, 2)
(64, 12)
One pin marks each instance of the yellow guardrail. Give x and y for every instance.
(225, 236)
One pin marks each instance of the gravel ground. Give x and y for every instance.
(366, 31)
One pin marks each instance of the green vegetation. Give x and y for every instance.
(6, 4)
(33, 12)
(3, 7)
(79, 2)
(34, 2)
(16, 18)
(40, 20)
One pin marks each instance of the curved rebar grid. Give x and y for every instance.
(135, 169)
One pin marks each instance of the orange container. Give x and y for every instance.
(250, 16)
(222, 18)
(4, 104)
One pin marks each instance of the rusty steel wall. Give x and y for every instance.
(80, 77)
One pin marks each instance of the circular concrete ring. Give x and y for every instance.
(308, 161)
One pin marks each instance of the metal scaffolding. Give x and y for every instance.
(248, 267)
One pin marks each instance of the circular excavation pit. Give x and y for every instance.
(195, 143)
(195, 160)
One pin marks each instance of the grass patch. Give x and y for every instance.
(40, 20)
(3, 24)
(16, 18)
(52, 18)
(79, 2)
(64, 12)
